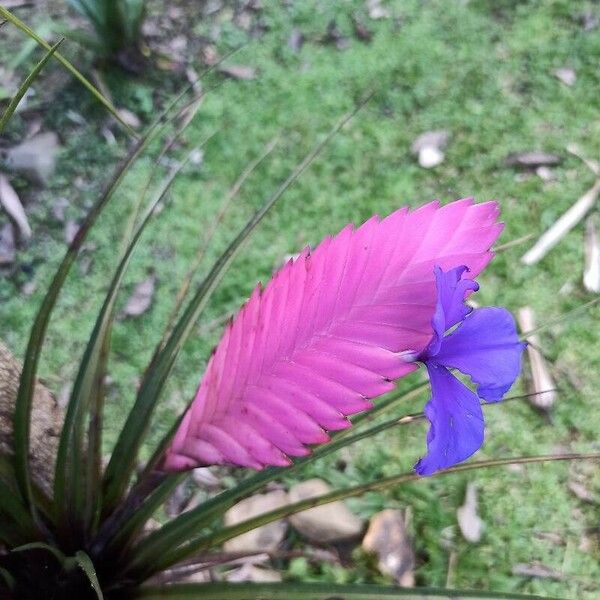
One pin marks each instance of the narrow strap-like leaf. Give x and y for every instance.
(87, 566)
(189, 524)
(38, 331)
(73, 70)
(316, 591)
(230, 532)
(71, 463)
(10, 109)
(124, 457)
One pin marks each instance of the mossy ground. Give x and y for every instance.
(482, 70)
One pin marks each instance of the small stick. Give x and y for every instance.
(591, 272)
(562, 226)
(542, 382)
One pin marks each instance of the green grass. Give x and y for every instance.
(482, 70)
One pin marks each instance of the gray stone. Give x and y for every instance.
(265, 538)
(388, 540)
(325, 524)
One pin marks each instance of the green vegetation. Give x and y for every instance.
(482, 70)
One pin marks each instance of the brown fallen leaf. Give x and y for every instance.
(129, 118)
(469, 522)
(376, 11)
(566, 75)
(582, 492)
(241, 72)
(7, 245)
(591, 272)
(10, 201)
(543, 391)
(70, 231)
(589, 20)
(532, 160)
(141, 298)
(250, 572)
(360, 30)
(28, 287)
(335, 36)
(296, 40)
(537, 569)
(179, 500)
(35, 157)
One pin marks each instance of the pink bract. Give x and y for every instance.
(326, 335)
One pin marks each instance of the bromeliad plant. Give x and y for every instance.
(329, 334)
(117, 26)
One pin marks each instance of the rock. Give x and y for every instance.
(265, 538)
(387, 538)
(429, 146)
(325, 524)
(250, 572)
(35, 158)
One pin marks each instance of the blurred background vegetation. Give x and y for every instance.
(499, 77)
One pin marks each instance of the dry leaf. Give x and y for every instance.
(360, 30)
(562, 226)
(591, 272)
(250, 572)
(179, 500)
(7, 245)
(28, 287)
(566, 75)
(14, 209)
(296, 40)
(203, 477)
(532, 160)
(35, 158)
(141, 299)
(537, 569)
(71, 229)
(335, 36)
(542, 384)
(129, 118)
(241, 72)
(376, 11)
(582, 492)
(471, 525)
(589, 20)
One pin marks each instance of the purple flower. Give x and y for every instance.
(484, 345)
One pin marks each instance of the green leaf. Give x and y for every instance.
(13, 508)
(87, 566)
(70, 500)
(124, 457)
(215, 539)
(73, 70)
(60, 557)
(8, 113)
(315, 591)
(38, 331)
(189, 524)
(121, 528)
(9, 580)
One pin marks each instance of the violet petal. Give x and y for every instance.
(486, 347)
(450, 308)
(456, 418)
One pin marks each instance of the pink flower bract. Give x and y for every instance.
(326, 335)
